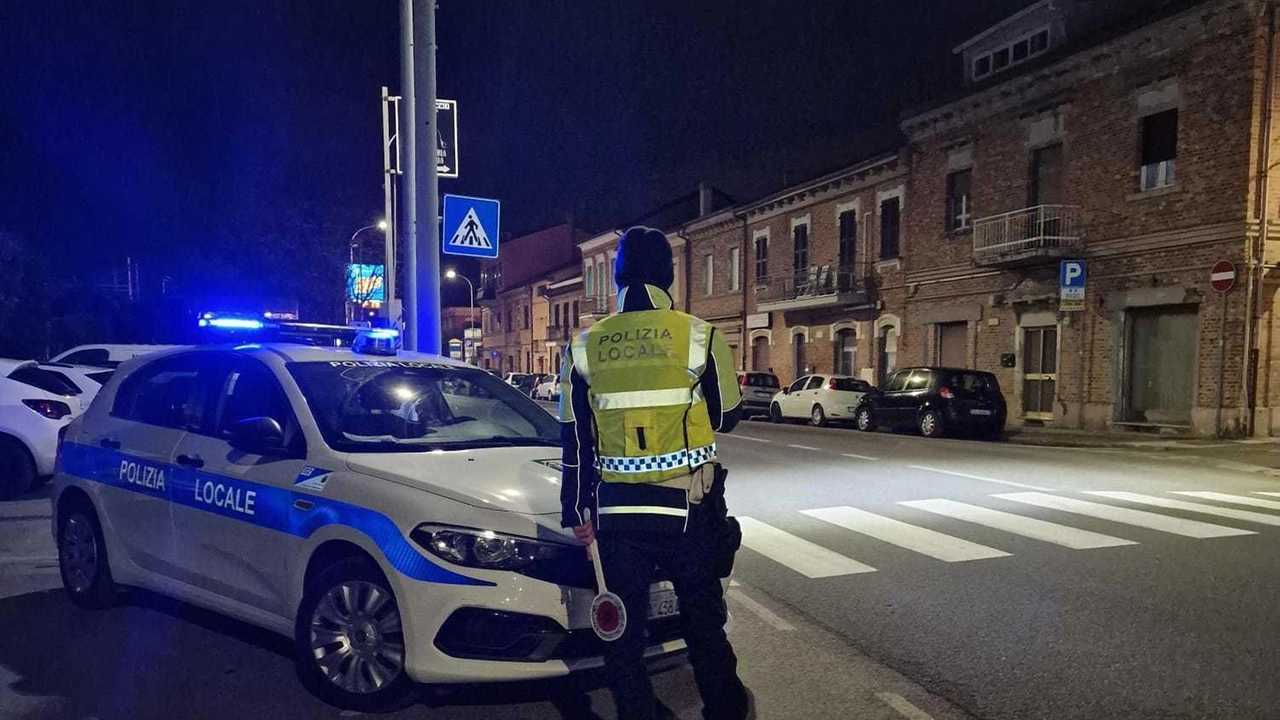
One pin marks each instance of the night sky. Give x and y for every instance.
(167, 130)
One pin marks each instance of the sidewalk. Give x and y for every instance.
(1072, 438)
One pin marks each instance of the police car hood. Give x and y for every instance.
(522, 480)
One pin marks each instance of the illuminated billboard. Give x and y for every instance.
(364, 283)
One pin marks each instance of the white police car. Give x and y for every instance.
(397, 515)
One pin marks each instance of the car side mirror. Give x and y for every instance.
(257, 436)
(786, 390)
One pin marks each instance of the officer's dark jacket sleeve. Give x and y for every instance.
(578, 480)
(720, 386)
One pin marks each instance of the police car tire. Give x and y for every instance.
(102, 592)
(397, 695)
(17, 470)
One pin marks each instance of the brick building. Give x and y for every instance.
(1132, 145)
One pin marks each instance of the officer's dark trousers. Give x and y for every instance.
(688, 559)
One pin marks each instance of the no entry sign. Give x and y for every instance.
(1223, 276)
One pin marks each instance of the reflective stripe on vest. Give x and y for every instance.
(643, 510)
(578, 353)
(699, 338)
(645, 398)
(656, 463)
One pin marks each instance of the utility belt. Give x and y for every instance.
(705, 488)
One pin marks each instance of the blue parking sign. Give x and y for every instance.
(1071, 274)
(470, 226)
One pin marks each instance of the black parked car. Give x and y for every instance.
(935, 401)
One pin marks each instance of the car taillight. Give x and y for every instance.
(946, 393)
(51, 409)
(831, 384)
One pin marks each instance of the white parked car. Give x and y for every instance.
(819, 399)
(398, 516)
(106, 356)
(548, 389)
(88, 380)
(524, 382)
(35, 406)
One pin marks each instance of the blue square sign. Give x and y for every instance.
(1071, 274)
(470, 226)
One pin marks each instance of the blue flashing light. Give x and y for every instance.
(236, 324)
(204, 322)
(383, 333)
(208, 316)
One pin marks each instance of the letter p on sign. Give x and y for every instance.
(1071, 274)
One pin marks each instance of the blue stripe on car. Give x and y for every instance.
(271, 507)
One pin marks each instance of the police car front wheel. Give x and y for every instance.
(82, 560)
(349, 640)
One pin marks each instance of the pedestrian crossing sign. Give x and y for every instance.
(470, 226)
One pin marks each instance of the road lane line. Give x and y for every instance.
(802, 447)
(903, 706)
(745, 437)
(1073, 538)
(1272, 494)
(804, 557)
(1127, 516)
(979, 477)
(761, 611)
(859, 457)
(1237, 499)
(905, 535)
(1246, 515)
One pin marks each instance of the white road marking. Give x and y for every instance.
(904, 708)
(745, 437)
(1272, 494)
(802, 447)
(761, 611)
(1246, 515)
(859, 457)
(1018, 525)
(1237, 499)
(905, 535)
(1127, 516)
(796, 553)
(979, 477)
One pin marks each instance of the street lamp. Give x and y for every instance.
(452, 274)
(352, 245)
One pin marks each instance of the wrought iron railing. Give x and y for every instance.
(1043, 227)
(813, 282)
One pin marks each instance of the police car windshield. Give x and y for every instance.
(406, 406)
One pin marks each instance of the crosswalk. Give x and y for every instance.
(814, 560)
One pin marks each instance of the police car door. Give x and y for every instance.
(233, 524)
(132, 449)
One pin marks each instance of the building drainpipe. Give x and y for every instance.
(1257, 249)
(745, 341)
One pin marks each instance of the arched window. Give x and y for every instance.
(760, 354)
(887, 351)
(846, 352)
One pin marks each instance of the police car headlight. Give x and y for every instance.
(489, 550)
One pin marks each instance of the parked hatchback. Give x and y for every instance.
(936, 401)
(758, 389)
(819, 399)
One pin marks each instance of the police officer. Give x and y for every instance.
(642, 394)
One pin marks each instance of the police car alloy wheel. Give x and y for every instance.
(82, 560)
(349, 642)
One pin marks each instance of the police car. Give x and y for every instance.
(396, 514)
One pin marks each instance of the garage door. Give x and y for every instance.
(1161, 353)
(952, 341)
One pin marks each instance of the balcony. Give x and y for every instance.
(559, 334)
(818, 287)
(1027, 236)
(593, 308)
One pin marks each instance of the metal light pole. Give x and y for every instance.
(471, 314)
(422, 241)
(351, 257)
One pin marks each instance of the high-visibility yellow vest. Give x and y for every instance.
(643, 369)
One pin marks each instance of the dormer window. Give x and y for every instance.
(1012, 53)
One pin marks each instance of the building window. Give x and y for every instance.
(1013, 53)
(800, 255)
(1040, 41)
(735, 268)
(848, 222)
(981, 66)
(846, 352)
(762, 258)
(800, 363)
(1000, 58)
(1159, 149)
(589, 279)
(886, 352)
(708, 274)
(557, 316)
(575, 313)
(526, 317)
(760, 354)
(959, 210)
(890, 220)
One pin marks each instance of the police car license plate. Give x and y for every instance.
(663, 603)
(979, 411)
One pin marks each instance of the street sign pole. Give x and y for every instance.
(421, 242)
(409, 193)
(1222, 277)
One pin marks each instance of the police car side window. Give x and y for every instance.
(166, 393)
(250, 390)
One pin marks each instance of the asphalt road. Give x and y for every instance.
(1164, 608)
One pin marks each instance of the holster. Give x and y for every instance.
(727, 531)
